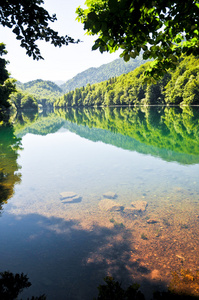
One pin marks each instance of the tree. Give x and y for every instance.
(29, 102)
(153, 94)
(113, 290)
(11, 285)
(30, 22)
(23, 101)
(16, 98)
(6, 84)
(159, 29)
(191, 91)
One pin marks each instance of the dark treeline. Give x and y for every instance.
(11, 285)
(176, 87)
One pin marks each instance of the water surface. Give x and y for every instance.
(148, 157)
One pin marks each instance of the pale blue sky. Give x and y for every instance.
(60, 63)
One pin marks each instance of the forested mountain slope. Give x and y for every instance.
(46, 92)
(180, 86)
(104, 72)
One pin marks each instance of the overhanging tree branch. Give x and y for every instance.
(30, 22)
(162, 30)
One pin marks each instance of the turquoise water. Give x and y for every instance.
(68, 248)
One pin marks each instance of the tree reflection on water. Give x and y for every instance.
(9, 175)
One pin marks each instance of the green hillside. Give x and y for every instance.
(104, 72)
(176, 87)
(46, 92)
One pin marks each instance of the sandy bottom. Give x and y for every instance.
(159, 244)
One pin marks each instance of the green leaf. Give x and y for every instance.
(146, 54)
(95, 46)
(133, 54)
(126, 57)
(19, 37)
(92, 16)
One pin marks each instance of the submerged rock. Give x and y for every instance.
(152, 221)
(139, 206)
(155, 274)
(110, 195)
(70, 197)
(75, 199)
(136, 208)
(110, 205)
(130, 210)
(65, 195)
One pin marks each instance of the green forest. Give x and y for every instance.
(46, 92)
(104, 72)
(177, 87)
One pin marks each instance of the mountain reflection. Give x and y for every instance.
(171, 133)
(167, 132)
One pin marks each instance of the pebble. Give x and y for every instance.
(181, 257)
(151, 221)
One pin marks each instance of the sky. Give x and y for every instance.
(59, 63)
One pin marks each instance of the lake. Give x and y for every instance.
(91, 193)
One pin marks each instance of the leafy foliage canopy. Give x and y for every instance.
(161, 30)
(6, 84)
(30, 22)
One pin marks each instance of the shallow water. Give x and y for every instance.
(68, 248)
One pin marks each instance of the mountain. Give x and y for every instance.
(48, 91)
(45, 91)
(177, 87)
(102, 73)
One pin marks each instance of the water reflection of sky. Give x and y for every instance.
(70, 245)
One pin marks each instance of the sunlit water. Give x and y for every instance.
(68, 248)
